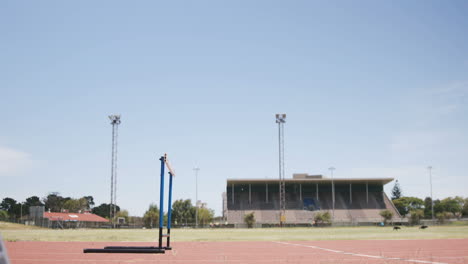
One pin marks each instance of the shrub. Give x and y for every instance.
(249, 219)
(441, 217)
(322, 218)
(416, 215)
(386, 215)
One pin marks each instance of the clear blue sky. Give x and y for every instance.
(373, 88)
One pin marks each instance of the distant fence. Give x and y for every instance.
(58, 224)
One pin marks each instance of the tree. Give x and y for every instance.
(75, 205)
(103, 210)
(183, 212)
(3, 215)
(428, 207)
(33, 201)
(151, 216)
(205, 215)
(462, 202)
(322, 218)
(405, 204)
(8, 204)
(438, 207)
(416, 215)
(71, 206)
(396, 191)
(11, 206)
(453, 205)
(54, 202)
(465, 208)
(249, 219)
(89, 202)
(387, 215)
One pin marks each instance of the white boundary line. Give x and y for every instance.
(359, 255)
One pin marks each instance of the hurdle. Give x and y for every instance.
(160, 249)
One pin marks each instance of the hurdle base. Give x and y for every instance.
(132, 250)
(117, 247)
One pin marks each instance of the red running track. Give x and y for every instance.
(343, 251)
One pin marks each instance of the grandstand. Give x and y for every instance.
(357, 200)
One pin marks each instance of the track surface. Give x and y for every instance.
(343, 251)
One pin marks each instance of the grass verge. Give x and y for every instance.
(15, 233)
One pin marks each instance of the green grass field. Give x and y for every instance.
(14, 232)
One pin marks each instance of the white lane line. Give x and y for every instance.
(359, 255)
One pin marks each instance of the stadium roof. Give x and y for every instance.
(74, 217)
(382, 181)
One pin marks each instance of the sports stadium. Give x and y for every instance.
(349, 201)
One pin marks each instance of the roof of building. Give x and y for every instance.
(382, 181)
(86, 217)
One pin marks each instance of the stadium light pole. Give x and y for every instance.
(115, 122)
(333, 193)
(280, 120)
(196, 169)
(432, 199)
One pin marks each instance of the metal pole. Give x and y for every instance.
(161, 201)
(115, 172)
(112, 177)
(432, 199)
(367, 193)
(316, 192)
(282, 167)
(169, 213)
(115, 121)
(333, 194)
(300, 192)
(280, 194)
(196, 195)
(280, 120)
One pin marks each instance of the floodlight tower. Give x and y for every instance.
(280, 120)
(115, 122)
(432, 199)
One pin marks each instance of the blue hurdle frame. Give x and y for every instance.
(160, 248)
(164, 163)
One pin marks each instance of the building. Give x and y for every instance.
(39, 217)
(75, 220)
(357, 200)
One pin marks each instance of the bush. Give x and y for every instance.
(441, 217)
(416, 216)
(387, 215)
(249, 219)
(322, 218)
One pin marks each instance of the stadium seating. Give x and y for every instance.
(362, 208)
